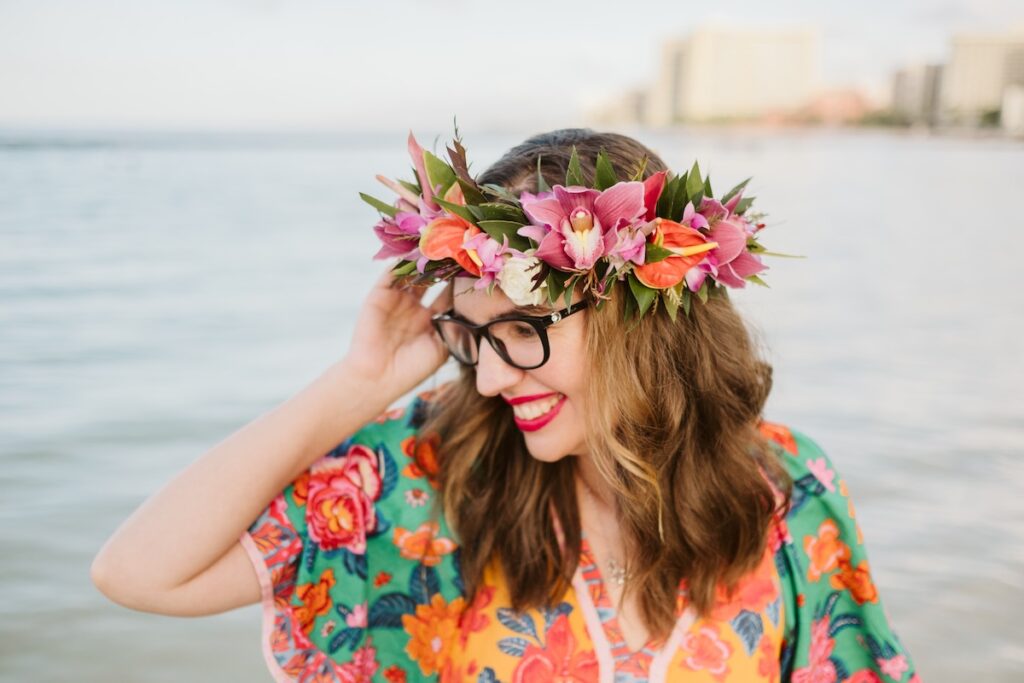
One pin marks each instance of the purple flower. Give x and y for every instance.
(400, 235)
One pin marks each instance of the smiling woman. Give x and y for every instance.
(596, 497)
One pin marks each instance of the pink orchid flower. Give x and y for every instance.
(578, 225)
(488, 254)
(730, 263)
(400, 235)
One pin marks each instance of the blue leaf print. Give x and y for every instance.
(749, 627)
(518, 622)
(387, 611)
(551, 614)
(457, 574)
(841, 622)
(346, 637)
(773, 610)
(423, 583)
(388, 471)
(841, 673)
(487, 676)
(786, 659)
(309, 554)
(513, 646)
(880, 649)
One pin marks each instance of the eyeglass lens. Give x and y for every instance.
(516, 342)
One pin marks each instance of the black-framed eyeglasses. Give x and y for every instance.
(519, 340)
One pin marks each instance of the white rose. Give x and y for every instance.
(516, 279)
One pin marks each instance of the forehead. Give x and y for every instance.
(478, 306)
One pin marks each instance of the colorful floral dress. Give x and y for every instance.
(360, 582)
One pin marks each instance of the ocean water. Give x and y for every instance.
(158, 292)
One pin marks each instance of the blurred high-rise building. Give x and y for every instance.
(916, 93)
(728, 73)
(981, 68)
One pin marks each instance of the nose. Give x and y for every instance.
(493, 374)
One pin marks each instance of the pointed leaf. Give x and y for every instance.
(686, 302)
(471, 192)
(457, 209)
(744, 204)
(702, 293)
(569, 290)
(383, 207)
(756, 280)
(605, 175)
(641, 167)
(707, 187)
(496, 211)
(439, 172)
(542, 183)
(733, 192)
(694, 185)
(644, 295)
(574, 175)
(498, 229)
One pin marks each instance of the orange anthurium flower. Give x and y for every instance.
(443, 238)
(688, 245)
(455, 195)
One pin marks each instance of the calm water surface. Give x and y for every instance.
(159, 292)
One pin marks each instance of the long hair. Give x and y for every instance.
(671, 424)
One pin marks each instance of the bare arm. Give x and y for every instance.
(178, 553)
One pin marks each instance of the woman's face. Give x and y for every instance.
(563, 375)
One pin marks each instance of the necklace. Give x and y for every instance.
(618, 572)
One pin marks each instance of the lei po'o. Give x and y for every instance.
(665, 237)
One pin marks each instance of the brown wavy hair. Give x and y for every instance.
(671, 423)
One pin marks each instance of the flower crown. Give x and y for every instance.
(666, 236)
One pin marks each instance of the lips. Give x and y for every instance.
(526, 399)
(536, 423)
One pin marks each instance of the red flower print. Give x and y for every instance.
(558, 661)
(825, 551)
(473, 619)
(865, 676)
(780, 434)
(705, 650)
(819, 667)
(395, 674)
(381, 579)
(342, 493)
(422, 451)
(858, 581)
(423, 544)
(894, 666)
(316, 600)
(753, 592)
(768, 665)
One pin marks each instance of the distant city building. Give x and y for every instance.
(725, 73)
(1013, 110)
(916, 93)
(627, 108)
(981, 68)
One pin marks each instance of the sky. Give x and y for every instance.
(341, 65)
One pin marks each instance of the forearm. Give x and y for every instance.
(187, 525)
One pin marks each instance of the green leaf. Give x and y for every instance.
(744, 204)
(404, 268)
(686, 302)
(478, 215)
(671, 305)
(653, 253)
(641, 167)
(471, 192)
(498, 229)
(574, 175)
(412, 187)
(644, 295)
(605, 175)
(439, 172)
(702, 293)
(569, 290)
(496, 211)
(457, 209)
(775, 253)
(629, 309)
(555, 288)
(694, 185)
(734, 191)
(498, 191)
(542, 183)
(707, 187)
(680, 198)
(756, 280)
(379, 205)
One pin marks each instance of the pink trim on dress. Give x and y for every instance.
(661, 661)
(267, 600)
(603, 649)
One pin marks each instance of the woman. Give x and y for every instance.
(596, 497)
